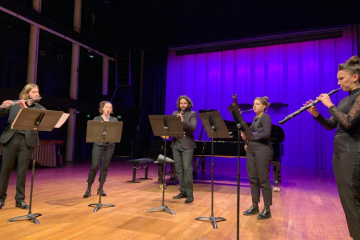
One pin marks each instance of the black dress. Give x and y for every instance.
(346, 118)
(258, 159)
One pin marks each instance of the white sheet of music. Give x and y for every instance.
(62, 120)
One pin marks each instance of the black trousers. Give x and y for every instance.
(258, 159)
(346, 164)
(96, 160)
(15, 146)
(183, 165)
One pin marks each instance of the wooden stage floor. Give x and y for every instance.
(306, 208)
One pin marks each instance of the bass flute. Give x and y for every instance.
(287, 118)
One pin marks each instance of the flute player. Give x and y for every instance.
(345, 117)
(20, 143)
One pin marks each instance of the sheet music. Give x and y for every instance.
(12, 125)
(62, 120)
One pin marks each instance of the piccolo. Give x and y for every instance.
(17, 102)
(287, 118)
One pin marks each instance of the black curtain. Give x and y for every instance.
(154, 90)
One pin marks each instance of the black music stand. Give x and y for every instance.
(241, 126)
(215, 127)
(103, 131)
(39, 120)
(165, 125)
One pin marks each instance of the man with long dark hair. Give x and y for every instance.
(183, 148)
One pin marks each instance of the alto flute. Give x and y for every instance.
(17, 102)
(287, 118)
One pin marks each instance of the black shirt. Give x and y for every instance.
(346, 116)
(263, 130)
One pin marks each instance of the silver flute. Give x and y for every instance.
(17, 102)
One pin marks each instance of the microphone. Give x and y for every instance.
(108, 116)
(160, 159)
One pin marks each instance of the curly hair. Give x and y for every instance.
(102, 105)
(264, 101)
(190, 103)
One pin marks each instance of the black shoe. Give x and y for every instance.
(189, 199)
(87, 194)
(251, 211)
(2, 203)
(181, 195)
(102, 193)
(22, 205)
(265, 214)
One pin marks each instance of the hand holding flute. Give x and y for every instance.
(324, 98)
(180, 116)
(312, 110)
(8, 103)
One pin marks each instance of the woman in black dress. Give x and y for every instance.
(105, 110)
(259, 154)
(346, 158)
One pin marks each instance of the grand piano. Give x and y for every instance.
(222, 148)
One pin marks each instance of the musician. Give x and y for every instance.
(105, 110)
(346, 159)
(183, 148)
(259, 154)
(20, 143)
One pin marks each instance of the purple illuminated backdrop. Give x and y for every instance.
(289, 73)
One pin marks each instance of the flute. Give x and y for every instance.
(17, 102)
(247, 110)
(287, 118)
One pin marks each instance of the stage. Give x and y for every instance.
(307, 207)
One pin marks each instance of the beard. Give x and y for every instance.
(183, 109)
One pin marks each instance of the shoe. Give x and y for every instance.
(181, 195)
(251, 211)
(189, 199)
(2, 203)
(87, 194)
(22, 205)
(102, 193)
(265, 214)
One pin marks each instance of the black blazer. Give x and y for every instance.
(8, 133)
(189, 126)
(100, 118)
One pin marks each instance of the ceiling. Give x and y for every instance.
(115, 25)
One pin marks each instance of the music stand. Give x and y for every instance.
(165, 125)
(103, 131)
(39, 120)
(241, 126)
(215, 127)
